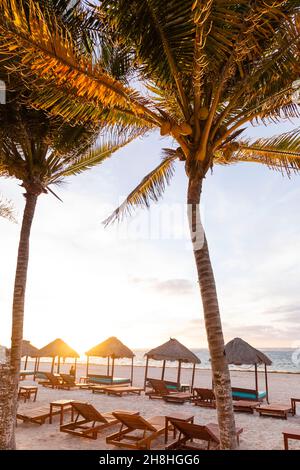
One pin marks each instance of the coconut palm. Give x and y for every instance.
(211, 67)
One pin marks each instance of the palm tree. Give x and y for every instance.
(211, 68)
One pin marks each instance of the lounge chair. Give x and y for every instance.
(189, 433)
(138, 433)
(204, 397)
(160, 390)
(36, 415)
(52, 381)
(91, 423)
(68, 381)
(245, 406)
(120, 391)
(276, 410)
(247, 394)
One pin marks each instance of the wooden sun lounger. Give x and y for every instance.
(102, 388)
(246, 406)
(36, 415)
(189, 432)
(120, 391)
(68, 382)
(160, 390)
(51, 381)
(92, 421)
(290, 433)
(275, 410)
(138, 432)
(204, 397)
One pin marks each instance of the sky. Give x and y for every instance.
(137, 280)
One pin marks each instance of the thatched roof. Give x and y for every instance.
(111, 347)
(173, 350)
(29, 350)
(239, 352)
(58, 348)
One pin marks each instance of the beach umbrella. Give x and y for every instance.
(111, 348)
(58, 349)
(28, 350)
(239, 352)
(172, 350)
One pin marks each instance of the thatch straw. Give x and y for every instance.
(239, 352)
(58, 348)
(29, 350)
(173, 350)
(111, 347)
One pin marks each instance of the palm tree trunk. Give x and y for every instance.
(8, 400)
(220, 370)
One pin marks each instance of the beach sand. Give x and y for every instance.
(259, 432)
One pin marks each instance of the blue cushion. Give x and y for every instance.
(248, 395)
(104, 380)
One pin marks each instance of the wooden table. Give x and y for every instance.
(179, 417)
(290, 433)
(64, 405)
(293, 404)
(185, 388)
(25, 391)
(83, 380)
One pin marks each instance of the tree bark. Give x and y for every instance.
(213, 325)
(9, 399)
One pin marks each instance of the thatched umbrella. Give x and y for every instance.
(172, 350)
(112, 348)
(28, 350)
(58, 348)
(239, 352)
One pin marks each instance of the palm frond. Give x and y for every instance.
(281, 152)
(150, 189)
(7, 210)
(50, 54)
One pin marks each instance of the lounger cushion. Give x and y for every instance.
(248, 395)
(103, 380)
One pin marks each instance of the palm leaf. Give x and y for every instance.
(280, 152)
(51, 54)
(150, 189)
(7, 210)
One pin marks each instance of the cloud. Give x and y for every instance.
(168, 286)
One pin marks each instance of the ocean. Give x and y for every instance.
(283, 360)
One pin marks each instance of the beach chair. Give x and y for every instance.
(91, 422)
(275, 410)
(68, 381)
(189, 433)
(136, 432)
(204, 397)
(52, 381)
(160, 390)
(36, 415)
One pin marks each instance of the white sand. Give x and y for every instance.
(259, 432)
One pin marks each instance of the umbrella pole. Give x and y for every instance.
(52, 366)
(58, 364)
(193, 377)
(131, 377)
(146, 372)
(75, 368)
(163, 370)
(266, 381)
(179, 373)
(87, 366)
(107, 366)
(25, 365)
(35, 368)
(112, 370)
(256, 381)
